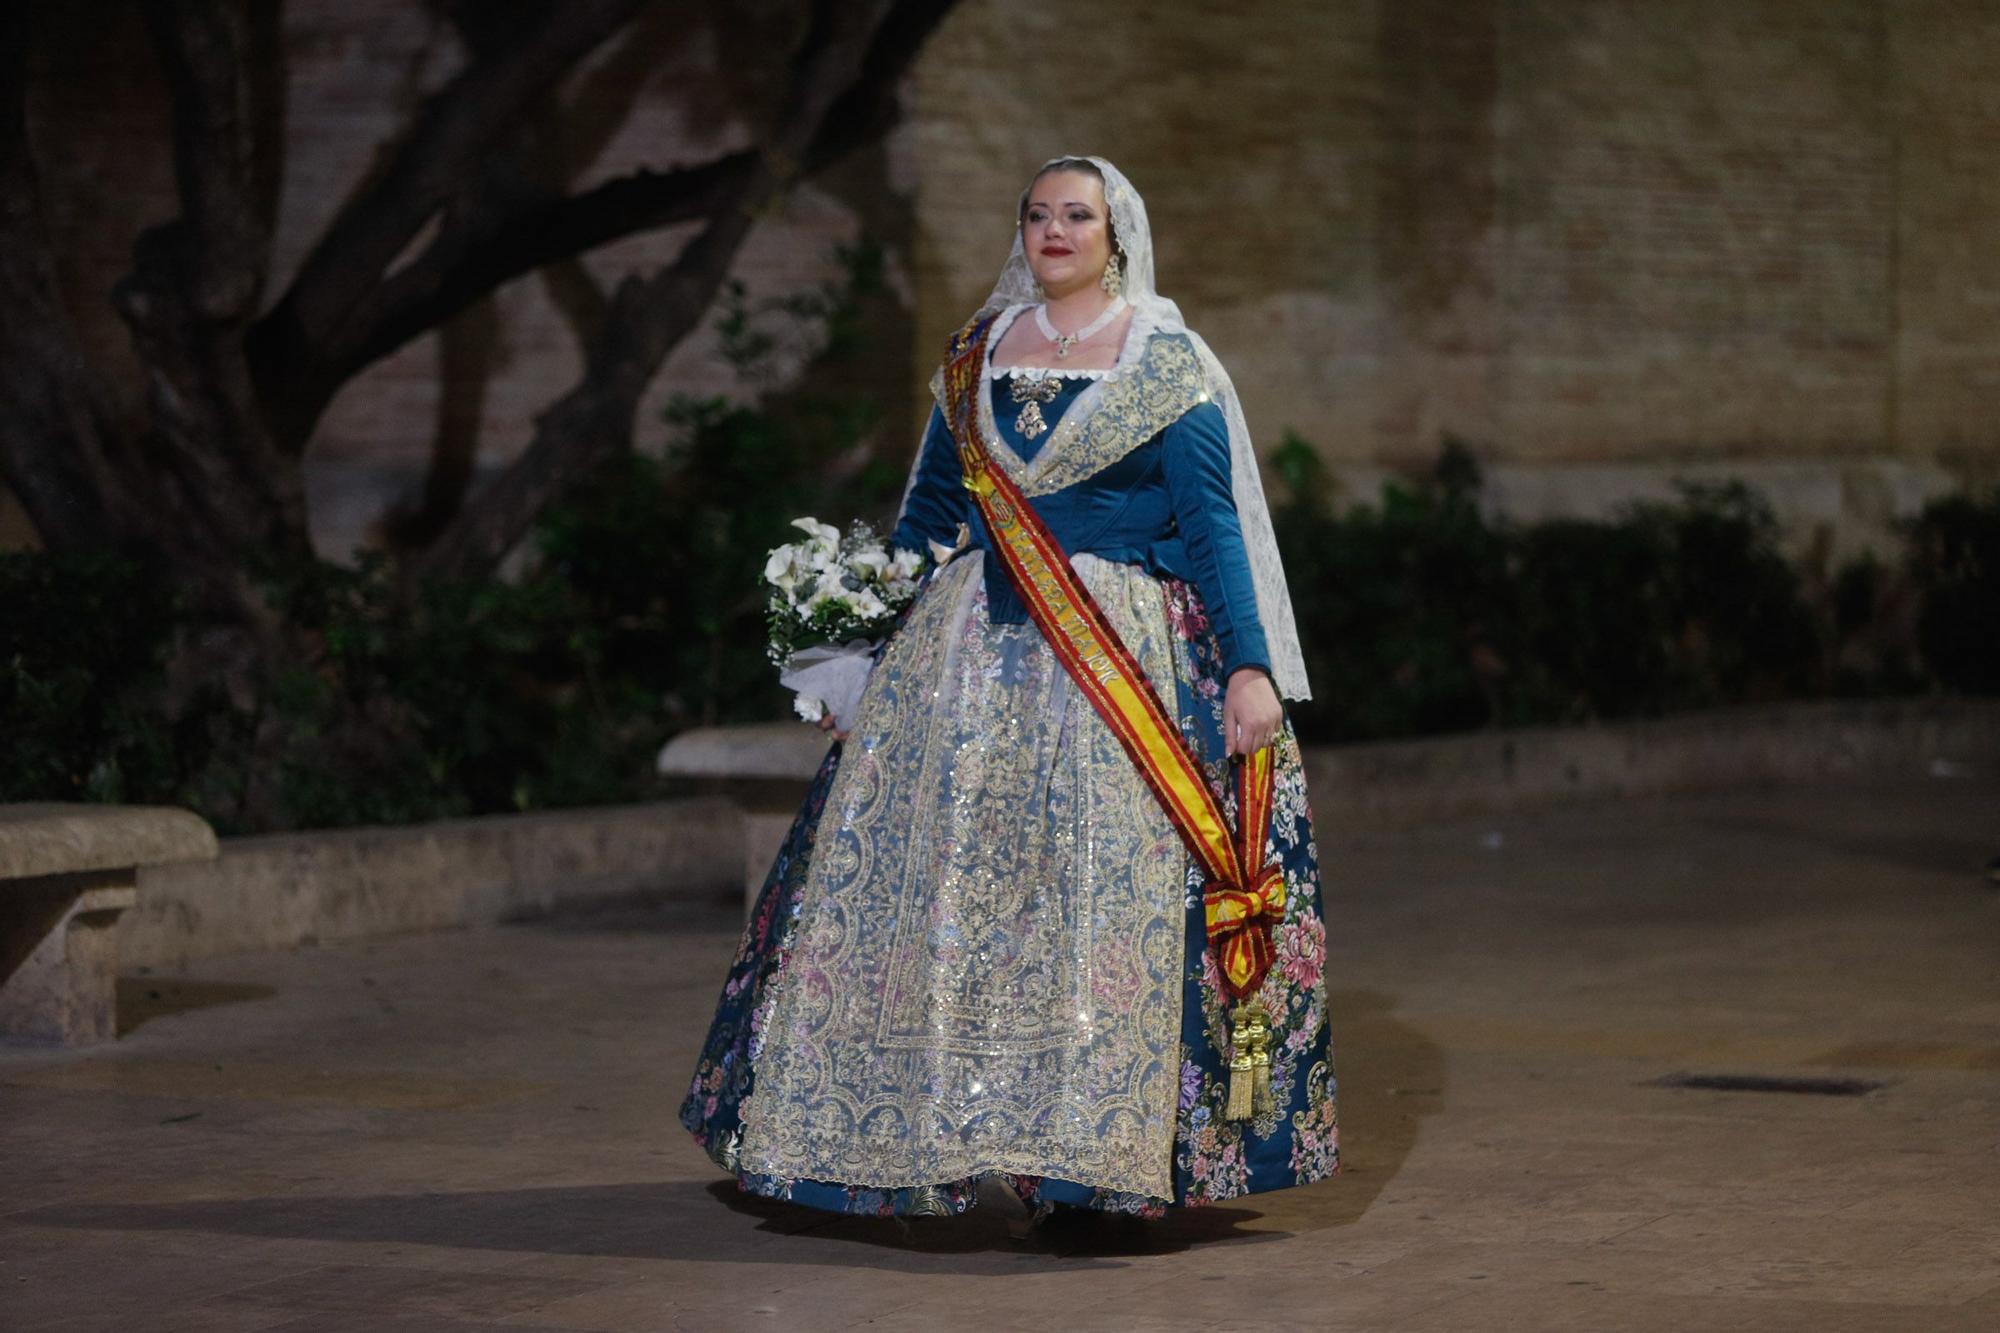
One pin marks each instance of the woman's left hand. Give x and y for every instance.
(1251, 714)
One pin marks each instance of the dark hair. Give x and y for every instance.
(1088, 168)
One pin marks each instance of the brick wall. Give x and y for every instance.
(1605, 241)
(1252, 130)
(1941, 65)
(1696, 230)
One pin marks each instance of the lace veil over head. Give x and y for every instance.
(1151, 314)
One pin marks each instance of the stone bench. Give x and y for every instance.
(764, 768)
(66, 873)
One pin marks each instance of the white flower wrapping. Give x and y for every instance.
(829, 601)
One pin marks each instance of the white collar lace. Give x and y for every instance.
(1045, 373)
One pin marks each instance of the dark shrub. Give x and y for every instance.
(1595, 627)
(1955, 565)
(1398, 604)
(1419, 616)
(83, 640)
(1744, 630)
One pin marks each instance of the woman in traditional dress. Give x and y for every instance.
(989, 948)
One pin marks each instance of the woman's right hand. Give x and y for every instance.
(826, 724)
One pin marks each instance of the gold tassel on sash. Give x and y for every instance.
(1250, 1062)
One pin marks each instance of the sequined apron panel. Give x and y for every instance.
(986, 968)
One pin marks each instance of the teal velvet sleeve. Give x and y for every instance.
(1197, 468)
(937, 502)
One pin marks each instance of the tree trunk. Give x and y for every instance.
(197, 283)
(53, 446)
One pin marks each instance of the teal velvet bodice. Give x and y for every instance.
(1167, 506)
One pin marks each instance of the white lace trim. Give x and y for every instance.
(1045, 372)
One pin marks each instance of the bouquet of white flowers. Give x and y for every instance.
(828, 598)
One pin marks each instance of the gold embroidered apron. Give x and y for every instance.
(985, 973)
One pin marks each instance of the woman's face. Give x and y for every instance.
(1066, 232)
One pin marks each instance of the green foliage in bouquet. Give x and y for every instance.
(833, 587)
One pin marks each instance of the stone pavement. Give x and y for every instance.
(474, 1130)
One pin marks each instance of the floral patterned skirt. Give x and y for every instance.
(1213, 1159)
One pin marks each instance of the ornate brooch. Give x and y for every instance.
(1031, 394)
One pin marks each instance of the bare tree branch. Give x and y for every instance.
(468, 344)
(497, 244)
(846, 43)
(594, 420)
(503, 237)
(433, 163)
(533, 167)
(216, 55)
(869, 106)
(463, 265)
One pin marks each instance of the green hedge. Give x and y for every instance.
(82, 680)
(1955, 569)
(639, 618)
(1422, 616)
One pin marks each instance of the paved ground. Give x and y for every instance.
(473, 1131)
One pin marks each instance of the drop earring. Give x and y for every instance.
(1113, 278)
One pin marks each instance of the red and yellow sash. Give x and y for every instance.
(1244, 896)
